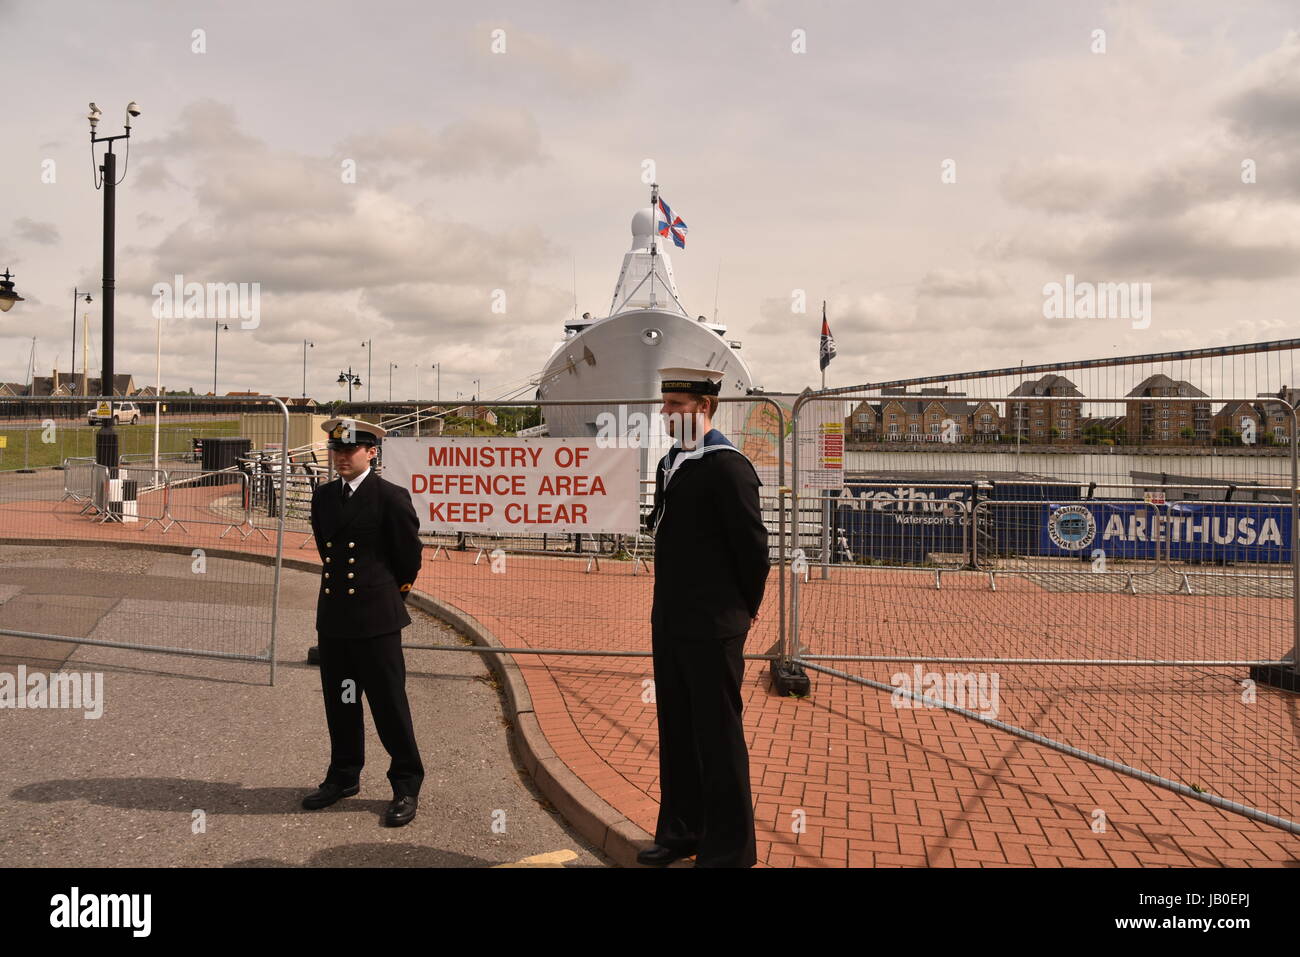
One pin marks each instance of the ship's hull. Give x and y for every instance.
(619, 358)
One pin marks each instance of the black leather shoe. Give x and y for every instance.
(327, 794)
(401, 811)
(656, 855)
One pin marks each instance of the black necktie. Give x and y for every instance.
(347, 491)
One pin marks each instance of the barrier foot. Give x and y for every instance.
(993, 582)
(593, 560)
(1187, 584)
(789, 679)
(938, 579)
(313, 655)
(1282, 677)
(478, 556)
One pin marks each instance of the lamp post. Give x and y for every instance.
(217, 326)
(305, 345)
(369, 346)
(351, 379)
(75, 294)
(391, 367)
(417, 395)
(106, 440)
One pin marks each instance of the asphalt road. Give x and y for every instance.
(199, 762)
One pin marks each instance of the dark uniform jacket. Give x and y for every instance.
(711, 558)
(371, 550)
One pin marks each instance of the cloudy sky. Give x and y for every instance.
(805, 144)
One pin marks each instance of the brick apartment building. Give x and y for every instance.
(1276, 423)
(1040, 422)
(1153, 420)
(930, 415)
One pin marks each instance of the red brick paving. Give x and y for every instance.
(879, 785)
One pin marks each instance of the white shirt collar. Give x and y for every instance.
(358, 480)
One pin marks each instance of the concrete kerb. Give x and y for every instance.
(586, 811)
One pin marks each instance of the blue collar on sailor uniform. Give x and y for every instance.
(713, 441)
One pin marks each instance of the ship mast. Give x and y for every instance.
(654, 211)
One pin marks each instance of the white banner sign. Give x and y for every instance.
(517, 485)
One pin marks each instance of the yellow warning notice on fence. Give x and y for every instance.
(4, 441)
(102, 409)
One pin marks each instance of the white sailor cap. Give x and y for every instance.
(345, 433)
(694, 381)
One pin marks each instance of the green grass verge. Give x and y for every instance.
(29, 448)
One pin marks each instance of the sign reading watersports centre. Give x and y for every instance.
(517, 485)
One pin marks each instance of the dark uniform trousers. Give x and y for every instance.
(697, 690)
(379, 670)
(370, 550)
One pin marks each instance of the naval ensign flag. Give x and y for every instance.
(828, 341)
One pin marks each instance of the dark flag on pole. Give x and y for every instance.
(828, 341)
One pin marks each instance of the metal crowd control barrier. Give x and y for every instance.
(185, 496)
(79, 481)
(1058, 563)
(129, 494)
(201, 604)
(1218, 525)
(1241, 624)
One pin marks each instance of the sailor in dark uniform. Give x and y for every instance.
(711, 565)
(368, 536)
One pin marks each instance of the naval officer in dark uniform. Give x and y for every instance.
(368, 536)
(711, 565)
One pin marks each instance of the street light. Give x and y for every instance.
(391, 367)
(305, 344)
(417, 394)
(369, 346)
(106, 440)
(350, 379)
(7, 295)
(75, 293)
(217, 326)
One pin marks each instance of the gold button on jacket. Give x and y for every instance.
(376, 535)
